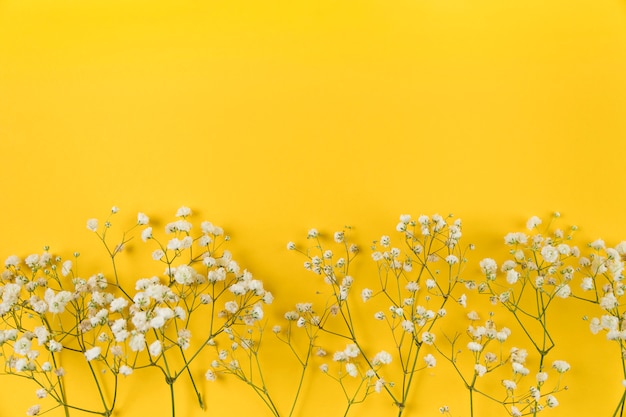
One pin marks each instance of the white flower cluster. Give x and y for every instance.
(125, 330)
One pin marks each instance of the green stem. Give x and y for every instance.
(100, 393)
(172, 396)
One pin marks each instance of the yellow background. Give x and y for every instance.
(270, 117)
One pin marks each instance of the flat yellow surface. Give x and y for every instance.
(270, 117)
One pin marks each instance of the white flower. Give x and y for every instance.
(210, 375)
(515, 412)
(382, 358)
(463, 300)
(608, 302)
(20, 364)
(42, 334)
(474, 346)
(430, 360)
(142, 219)
(146, 234)
(509, 385)
(183, 212)
(473, 316)
(33, 411)
(533, 222)
(561, 366)
(324, 368)
(137, 342)
(515, 238)
(549, 253)
(92, 224)
(184, 275)
(118, 304)
(92, 353)
(66, 268)
(351, 350)
(587, 284)
(231, 306)
(155, 348)
(428, 338)
(351, 370)
(408, 326)
(489, 267)
(503, 334)
(12, 261)
(518, 368)
(22, 346)
(54, 346)
(312, 234)
(563, 291)
(542, 377)
(518, 355)
(480, 369)
(551, 401)
(366, 294)
(512, 276)
(451, 259)
(126, 370)
(339, 236)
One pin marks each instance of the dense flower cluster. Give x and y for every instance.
(198, 302)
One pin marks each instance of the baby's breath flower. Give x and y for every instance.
(533, 222)
(561, 366)
(430, 360)
(126, 370)
(92, 353)
(382, 358)
(34, 410)
(474, 346)
(92, 224)
(142, 219)
(351, 369)
(428, 338)
(551, 401)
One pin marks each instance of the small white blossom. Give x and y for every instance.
(551, 401)
(474, 346)
(533, 222)
(126, 370)
(34, 410)
(92, 224)
(382, 358)
(142, 219)
(549, 253)
(587, 284)
(509, 385)
(408, 326)
(93, 353)
(428, 338)
(561, 366)
(430, 360)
